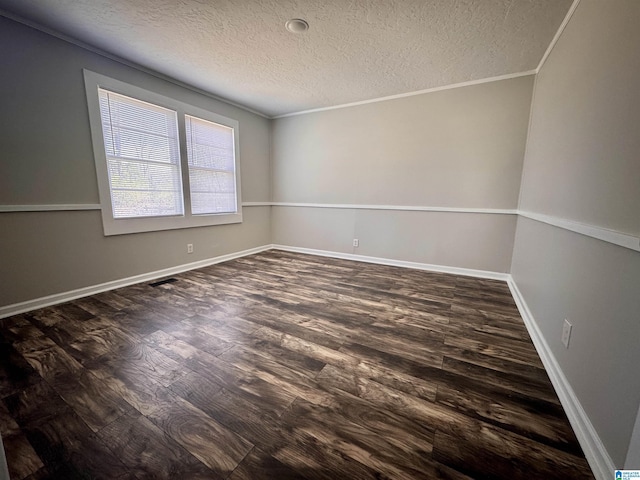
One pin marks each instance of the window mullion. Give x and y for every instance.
(184, 164)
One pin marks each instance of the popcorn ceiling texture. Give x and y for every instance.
(354, 50)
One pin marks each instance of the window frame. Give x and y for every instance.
(120, 226)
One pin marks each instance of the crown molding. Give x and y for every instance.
(411, 94)
(103, 53)
(115, 58)
(558, 34)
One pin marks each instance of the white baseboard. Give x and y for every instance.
(599, 460)
(595, 452)
(16, 308)
(397, 263)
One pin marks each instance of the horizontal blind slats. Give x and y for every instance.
(211, 160)
(143, 157)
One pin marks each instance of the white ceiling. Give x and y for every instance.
(354, 50)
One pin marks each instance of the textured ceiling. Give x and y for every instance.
(354, 50)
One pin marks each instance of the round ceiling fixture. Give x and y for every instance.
(297, 25)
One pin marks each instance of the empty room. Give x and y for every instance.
(369, 239)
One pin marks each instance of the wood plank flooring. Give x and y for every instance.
(283, 366)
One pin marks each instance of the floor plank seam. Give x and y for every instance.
(283, 365)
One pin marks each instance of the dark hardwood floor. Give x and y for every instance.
(283, 366)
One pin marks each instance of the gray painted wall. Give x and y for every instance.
(633, 453)
(47, 158)
(456, 148)
(462, 240)
(582, 164)
(460, 148)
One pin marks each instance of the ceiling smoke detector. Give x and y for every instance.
(297, 25)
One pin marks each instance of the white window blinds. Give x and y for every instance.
(211, 158)
(143, 157)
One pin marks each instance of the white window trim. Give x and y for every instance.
(121, 226)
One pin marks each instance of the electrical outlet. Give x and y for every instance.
(566, 333)
(356, 242)
(189, 247)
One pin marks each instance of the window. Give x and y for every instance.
(161, 163)
(211, 166)
(143, 157)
